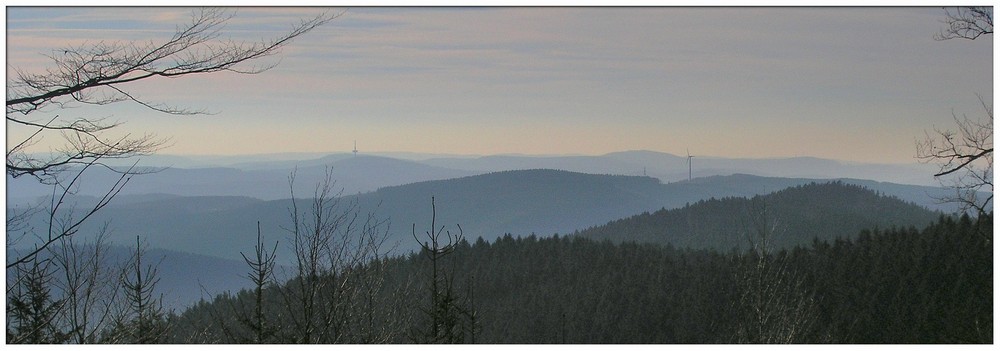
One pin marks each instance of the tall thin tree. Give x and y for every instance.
(448, 318)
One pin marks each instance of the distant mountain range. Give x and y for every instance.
(266, 176)
(489, 205)
(261, 180)
(669, 168)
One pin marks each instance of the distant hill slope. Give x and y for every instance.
(266, 176)
(796, 216)
(489, 205)
(184, 277)
(669, 168)
(353, 174)
(517, 202)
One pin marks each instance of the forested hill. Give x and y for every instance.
(932, 285)
(795, 216)
(519, 202)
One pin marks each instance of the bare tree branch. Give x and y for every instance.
(191, 50)
(88, 285)
(59, 229)
(774, 304)
(97, 74)
(965, 159)
(967, 23)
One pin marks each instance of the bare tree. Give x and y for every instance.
(312, 234)
(337, 276)
(369, 311)
(88, 285)
(965, 155)
(774, 305)
(335, 292)
(967, 23)
(965, 158)
(98, 74)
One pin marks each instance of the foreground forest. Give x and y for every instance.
(900, 285)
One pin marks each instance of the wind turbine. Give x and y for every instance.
(689, 163)
(355, 148)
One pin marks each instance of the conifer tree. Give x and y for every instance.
(31, 310)
(448, 318)
(142, 319)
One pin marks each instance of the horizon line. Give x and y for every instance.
(320, 154)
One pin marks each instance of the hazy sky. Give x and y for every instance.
(857, 84)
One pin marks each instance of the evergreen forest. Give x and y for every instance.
(895, 284)
(899, 285)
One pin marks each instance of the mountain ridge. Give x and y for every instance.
(794, 216)
(543, 202)
(266, 176)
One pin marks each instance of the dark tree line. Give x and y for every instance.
(827, 211)
(896, 285)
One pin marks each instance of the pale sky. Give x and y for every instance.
(853, 84)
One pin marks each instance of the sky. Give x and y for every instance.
(852, 84)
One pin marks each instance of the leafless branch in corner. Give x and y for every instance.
(966, 23)
(965, 159)
(98, 74)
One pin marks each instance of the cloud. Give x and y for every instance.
(646, 72)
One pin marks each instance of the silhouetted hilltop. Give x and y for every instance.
(794, 216)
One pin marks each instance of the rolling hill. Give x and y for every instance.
(670, 168)
(266, 176)
(519, 202)
(794, 217)
(489, 205)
